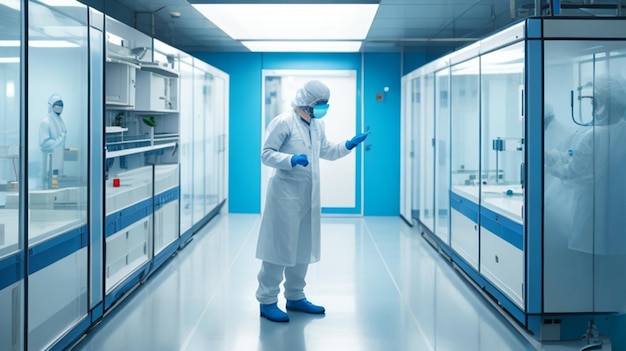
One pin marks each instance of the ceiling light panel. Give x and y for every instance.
(302, 46)
(291, 21)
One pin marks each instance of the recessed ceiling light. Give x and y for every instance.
(291, 21)
(302, 46)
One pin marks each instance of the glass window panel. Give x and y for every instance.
(465, 114)
(10, 115)
(502, 128)
(465, 157)
(417, 116)
(199, 156)
(11, 244)
(221, 106)
(186, 137)
(58, 106)
(585, 159)
(427, 154)
(442, 154)
(58, 68)
(211, 135)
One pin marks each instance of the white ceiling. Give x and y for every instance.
(400, 25)
(410, 26)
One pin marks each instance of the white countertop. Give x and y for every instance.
(495, 198)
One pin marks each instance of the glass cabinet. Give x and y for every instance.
(465, 159)
(58, 116)
(90, 147)
(585, 159)
(502, 169)
(427, 156)
(12, 233)
(442, 153)
(502, 144)
(521, 157)
(141, 170)
(204, 139)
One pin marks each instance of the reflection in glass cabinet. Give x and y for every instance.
(585, 159)
(58, 119)
(537, 157)
(12, 239)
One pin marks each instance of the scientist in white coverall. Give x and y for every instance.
(289, 237)
(52, 134)
(592, 166)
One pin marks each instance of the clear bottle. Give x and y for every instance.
(55, 179)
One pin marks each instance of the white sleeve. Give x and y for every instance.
(277, 134)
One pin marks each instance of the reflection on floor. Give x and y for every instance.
(383, 286)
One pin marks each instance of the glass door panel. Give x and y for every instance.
(502, 130)
(186, 143)
(442, 155)
(585, 159)
(199, 155)
(427, 154)
(58, 77)
(465, 159)
(12, 240)
(211, 137)
(417, 117)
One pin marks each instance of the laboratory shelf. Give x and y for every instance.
(137, 150)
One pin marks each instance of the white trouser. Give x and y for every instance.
(271, 275)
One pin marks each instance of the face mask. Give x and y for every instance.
(57, 107)
(319, 111)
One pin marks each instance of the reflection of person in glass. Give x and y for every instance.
(52, 134)
(556, 137)
(593, 167)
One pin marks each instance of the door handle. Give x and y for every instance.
(368, 147)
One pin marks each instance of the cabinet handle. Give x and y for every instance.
(497, 259)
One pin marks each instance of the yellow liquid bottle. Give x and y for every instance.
(55, 179)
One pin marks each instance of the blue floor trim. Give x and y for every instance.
(164, 255)
(56, 248)
(127, 284)
(11, 270)
(72, 335)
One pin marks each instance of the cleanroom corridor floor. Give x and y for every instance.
(383, 286)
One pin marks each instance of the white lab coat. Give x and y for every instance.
(52, 134)
(290, 227)
(593, 168)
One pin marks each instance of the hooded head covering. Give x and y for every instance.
(609, 99)
(312, 92)
(54, 99)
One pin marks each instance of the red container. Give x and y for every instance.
(116, 182)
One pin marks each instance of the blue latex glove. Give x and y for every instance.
(300, 159)
(350, 144)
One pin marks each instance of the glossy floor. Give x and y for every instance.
(383, 286)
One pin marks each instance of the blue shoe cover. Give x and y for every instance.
(273, 313)
(304, 305)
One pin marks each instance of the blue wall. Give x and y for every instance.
(381, 163)
(382, 160)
